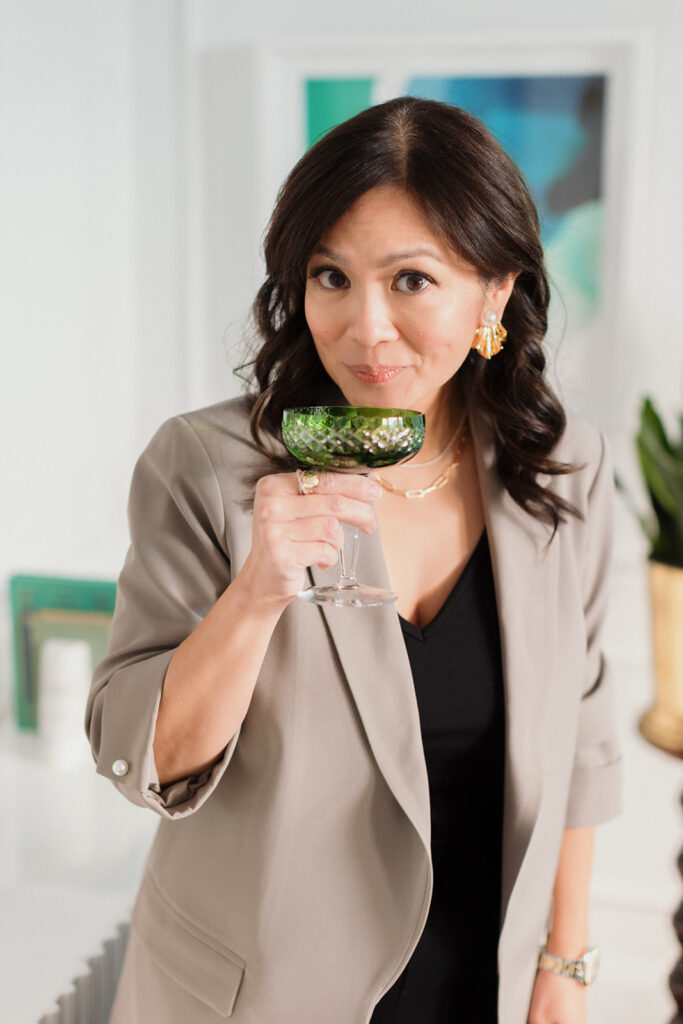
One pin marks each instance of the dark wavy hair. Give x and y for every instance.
(475, 199)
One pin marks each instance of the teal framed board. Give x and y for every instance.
(50, 606)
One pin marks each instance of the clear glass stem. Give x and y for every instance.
(348, 558)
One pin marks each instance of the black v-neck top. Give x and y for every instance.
(451, 977)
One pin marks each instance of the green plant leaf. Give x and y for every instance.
(661, 464)
(670, 471)
(656, 482)
(651, 422)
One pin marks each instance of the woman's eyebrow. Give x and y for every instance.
(395, 257)
(409, 254)
(320, 250)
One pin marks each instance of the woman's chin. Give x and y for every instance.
(379, 396)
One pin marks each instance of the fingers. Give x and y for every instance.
(353, 485)
(278, 500)
(314, 553)
(292, 531)
(327, 528)
(320, 506)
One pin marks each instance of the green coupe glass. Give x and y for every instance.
(351, 439)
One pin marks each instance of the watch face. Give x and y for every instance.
(591, 962)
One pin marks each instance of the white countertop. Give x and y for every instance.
(71, 856)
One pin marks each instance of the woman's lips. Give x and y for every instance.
(375, 374)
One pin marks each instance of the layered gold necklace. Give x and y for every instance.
(461, 436)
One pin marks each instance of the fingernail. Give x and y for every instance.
(375, 490)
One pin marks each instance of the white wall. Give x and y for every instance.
(92, 256)
(66, 317)
(68, 354)
(124, 296)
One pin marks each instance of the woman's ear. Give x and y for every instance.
(498, 293)
(490, 335)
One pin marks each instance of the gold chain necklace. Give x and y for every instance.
(422, 492)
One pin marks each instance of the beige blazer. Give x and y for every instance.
(290, 883)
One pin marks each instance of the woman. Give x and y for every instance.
(370, 815)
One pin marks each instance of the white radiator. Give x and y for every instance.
(92, 995)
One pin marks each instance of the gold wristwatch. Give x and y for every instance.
(583, 970)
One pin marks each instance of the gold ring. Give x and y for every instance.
(308, 480)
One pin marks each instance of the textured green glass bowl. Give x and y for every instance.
(349, 437)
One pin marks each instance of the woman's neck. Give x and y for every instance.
(444, 420)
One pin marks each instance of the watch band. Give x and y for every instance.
(584, 969)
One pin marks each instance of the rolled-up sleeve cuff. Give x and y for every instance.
(182, 797)
(595, 794)
(126, 754)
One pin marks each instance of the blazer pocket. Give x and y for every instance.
(200, 963)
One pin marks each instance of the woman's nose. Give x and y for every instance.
(370, 318)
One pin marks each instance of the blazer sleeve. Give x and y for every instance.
(175, 570)
(595, 789)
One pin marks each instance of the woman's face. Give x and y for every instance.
(391, 308)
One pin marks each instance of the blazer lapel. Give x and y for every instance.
(372, 653)
(522, 562)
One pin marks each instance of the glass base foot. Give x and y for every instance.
(359, 596)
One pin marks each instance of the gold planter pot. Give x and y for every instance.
(662, 725)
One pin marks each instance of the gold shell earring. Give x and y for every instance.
(488, 339)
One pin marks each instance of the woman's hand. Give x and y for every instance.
(292, 531)
(557, 1000)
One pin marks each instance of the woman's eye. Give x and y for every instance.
(412, 281)
(331, 278)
